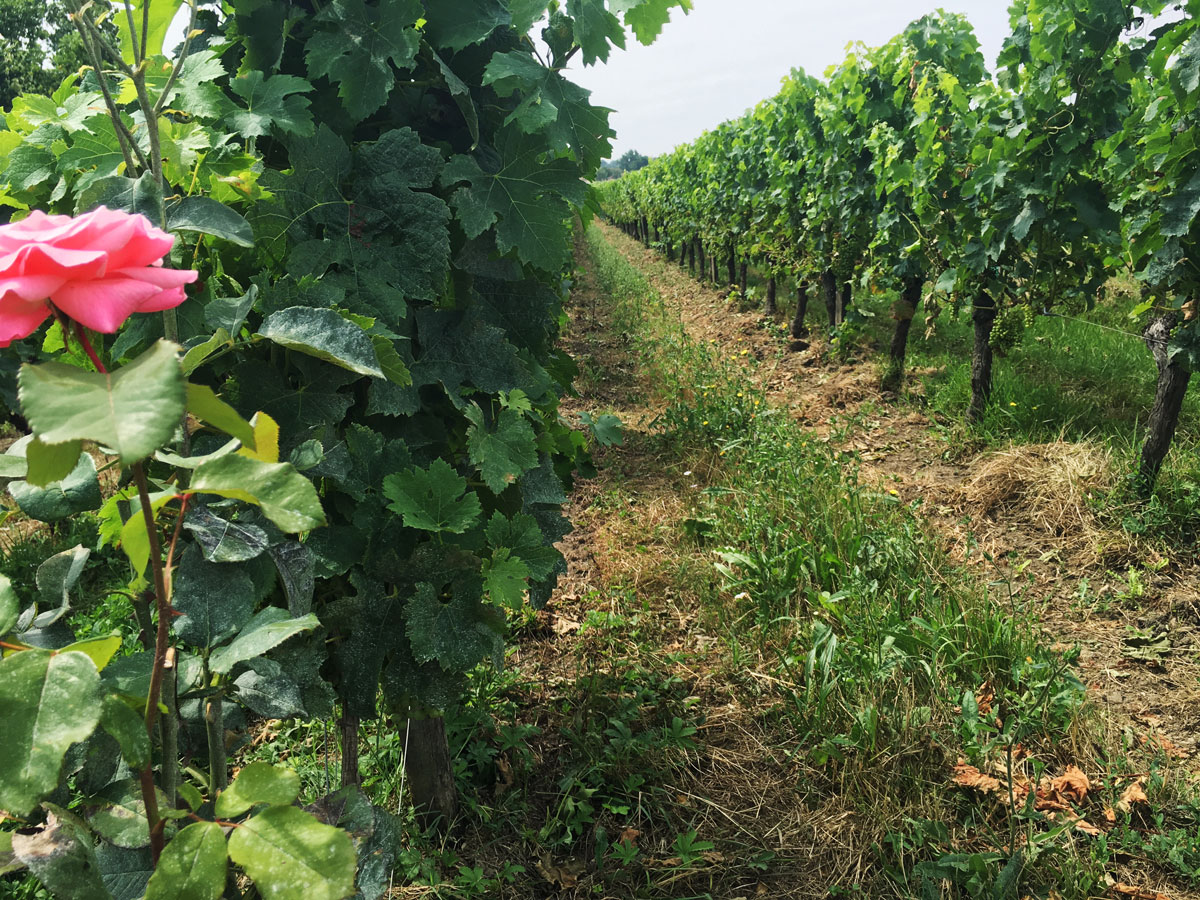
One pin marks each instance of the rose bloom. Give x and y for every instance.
(97, 269)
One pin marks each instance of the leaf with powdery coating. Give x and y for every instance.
(434, 499)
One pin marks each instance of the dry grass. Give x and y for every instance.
(1050, 485)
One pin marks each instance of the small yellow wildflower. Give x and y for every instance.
(1011, 403)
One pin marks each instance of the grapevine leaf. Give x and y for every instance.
(196, 89)
(50, 702)
(434, 499)
(504, 453)
(526, 196)
(265, 689)
(462, 96)
(505, 578)
(525, 13)
(455, 631)
(607, 429)
(460, 23)
(271, 627)
(133, 411)
(296, 569)
(324, 334)
(522, 536)
(286, 497)
(1182, 205)
(259, 782)
(648, 17)
(271, 101)
(552, 104)
(358, 50)
(214, 601)
(192, 866)
(291, 856)
(595, 28)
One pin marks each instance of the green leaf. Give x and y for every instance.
(528, 199)
(224, 541)
(206, 406)
(607, 430)
(271, 102)
(48, 463)
(271, 627)
(8, 862)
(192, 865)
(129, 730)
(595, 29)
(390, 362)
(359, 46)
(199, 353)
(553, 105)
(505, 578)
(291, 856)
(457, 632)
(57, 575)
(215, 601)
(460, 23)
(434, 499)
(50, 702)
(100, 650)
(9, 605)
(135, 540)
(1181, 206)
(524, 538)
(503, 453)
(648, 17)
(59, 500)
(134, 411)
(325, 334)
(60, 854)
(134, 195)
(120, 817)
(285, 496)
(229, 313)
(204, 215)
(259, 782)
(161, 14)
(190, 795)
(266, 690)
(125, 872)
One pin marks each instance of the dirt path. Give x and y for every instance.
(1020, 516)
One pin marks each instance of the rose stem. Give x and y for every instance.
(161, 644)
(88, 349)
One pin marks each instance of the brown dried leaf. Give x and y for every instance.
(1070, 787)
(971, 778)
(1137, 893)
(504, 776)
(629, 836)
(1135, 793)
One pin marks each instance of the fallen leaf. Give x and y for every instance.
(504, 776)
(1110, 815)
(971, 778)
(1136, 893)
(1135, 793)
(1072, 787)
(629, 836)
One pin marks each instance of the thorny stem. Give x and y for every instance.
(161, 646)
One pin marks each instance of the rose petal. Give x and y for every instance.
(19, 318)
(49, 259)
(102, 305)
(32, 288)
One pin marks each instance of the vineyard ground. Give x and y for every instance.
(644, 631)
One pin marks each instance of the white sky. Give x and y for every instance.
(726, 55)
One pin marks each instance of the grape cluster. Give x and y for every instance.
(1009, 327)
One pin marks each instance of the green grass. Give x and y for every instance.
(876, 643)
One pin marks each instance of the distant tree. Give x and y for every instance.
(608, 171)
(631, 161)
(38, 48)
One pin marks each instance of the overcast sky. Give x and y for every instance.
(726, 55)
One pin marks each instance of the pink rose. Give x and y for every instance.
(98, 269)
